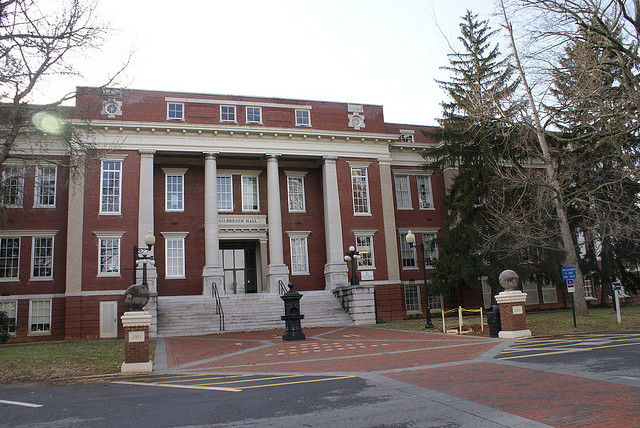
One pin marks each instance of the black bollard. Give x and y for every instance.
(292, 315)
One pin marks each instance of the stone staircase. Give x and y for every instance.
(196, 315)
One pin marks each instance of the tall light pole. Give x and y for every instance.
(352, 255)
(411, 240)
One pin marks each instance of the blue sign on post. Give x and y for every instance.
(568, 272)
(571, 288)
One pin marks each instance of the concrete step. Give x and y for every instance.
(196, 315)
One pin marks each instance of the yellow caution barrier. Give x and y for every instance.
(460, 311)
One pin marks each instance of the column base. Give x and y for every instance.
(137, 367)
(275, 274)
(514, 334)
(211, 274)
(336, 275)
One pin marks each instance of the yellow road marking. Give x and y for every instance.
(297, 382)
(568, 350)
(252, 380)
(171, 385)
(186, 378)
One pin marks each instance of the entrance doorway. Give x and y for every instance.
(239, 265)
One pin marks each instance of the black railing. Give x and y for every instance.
(281, 287)
(219, 310)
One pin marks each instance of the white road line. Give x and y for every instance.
(20, 403)
(167, 385)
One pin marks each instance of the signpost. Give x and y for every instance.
(617, 286)
(569, 274)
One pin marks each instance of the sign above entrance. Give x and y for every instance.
(242, 221)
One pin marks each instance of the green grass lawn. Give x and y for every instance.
(541, 323)
(61, 359)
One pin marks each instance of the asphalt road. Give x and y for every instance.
(352, 402)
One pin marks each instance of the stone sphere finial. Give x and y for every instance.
(508, 280)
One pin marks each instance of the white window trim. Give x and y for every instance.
(230, 177)
(37, 188)
(20, 177)
(19, 238)
(246, 112)
(174, 172)
(110, 235)
(418, 295)
(175, 118)
(235, 114)
(33, 249)
(301, 175)
(257, 177)
(433, 204)
(44, 332)
(307, 125)
(415, 257)
(109, 159)
(298, 234)
(15, 319)
(174, 236)
(437, 254)
(370, 234)
(355, 165)
(408, 183)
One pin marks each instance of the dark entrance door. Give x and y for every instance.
(239, 265)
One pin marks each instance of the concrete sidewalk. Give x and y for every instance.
(459, 371)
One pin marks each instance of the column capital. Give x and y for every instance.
(273, 156)
(147, 152)
(330, 158)
(210, 154)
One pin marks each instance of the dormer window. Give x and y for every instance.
(406, 138)
(303, 118)
(227, 113)
(175, 111)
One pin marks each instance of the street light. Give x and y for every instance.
(137, 295)
(411, 240)
(353, 255)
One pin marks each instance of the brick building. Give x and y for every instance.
(243, 195)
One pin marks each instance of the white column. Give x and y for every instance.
(389, 217)
(277, 270)
(145, 225)
(335, 270)
(212, 271)
(75, 222)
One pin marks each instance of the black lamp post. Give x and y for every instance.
(137, 295)
(411, 240)
(353, 255)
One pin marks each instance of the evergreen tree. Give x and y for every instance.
(476, 135)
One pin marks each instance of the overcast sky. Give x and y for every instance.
(385, 52)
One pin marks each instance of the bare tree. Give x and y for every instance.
(37, 42)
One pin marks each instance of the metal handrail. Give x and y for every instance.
(282, 288)
(219, 310)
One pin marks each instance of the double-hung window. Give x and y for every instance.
(430, 247)
(175, 111)
(412, 298)
(254, 115)
(225, 193)
(425, 196)
(174, 254)
(303, 118)
(9, 258)
(40, 316)
(407, 253)
(299, 253)
(227, 113)
(360, 191)
(10, 307)
(295, 190)
(364, 246)
(111, 186)
(109, 254)
(174, 189)
(12, 186)
(403, 195)
(250, 201)
(42, 257)
(45, 189)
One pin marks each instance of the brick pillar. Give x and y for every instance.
(136, 342)
(512, 314)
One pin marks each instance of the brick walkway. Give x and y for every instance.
(462, 370)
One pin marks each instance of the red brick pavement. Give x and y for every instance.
(550, 398)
